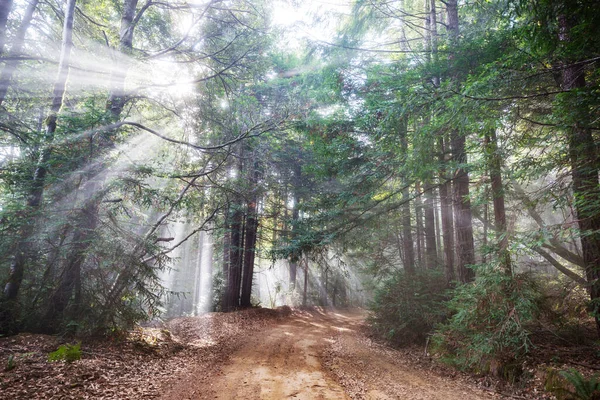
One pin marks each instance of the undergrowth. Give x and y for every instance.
(488, 331)
(408, 306)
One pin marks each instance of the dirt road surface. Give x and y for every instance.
(318, 355)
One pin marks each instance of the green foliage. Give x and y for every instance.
(572, 385)
(488, 330)
(408, 306)
(584, 389)
(66, 352)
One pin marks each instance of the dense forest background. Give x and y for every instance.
(434, 160)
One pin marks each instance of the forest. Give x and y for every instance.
(432, 162)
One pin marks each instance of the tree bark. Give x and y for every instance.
(495, 168)
(419, 224)
(17, 46)
(226, 248)
(430, 242)
(251, 238)
(305, 291)
(407, 237)
(236, 250)
(463, 219)
(117, 97)
(446, 211)
(236, 246)
(297, 179)
(584, 171)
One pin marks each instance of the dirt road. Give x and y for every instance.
(318, 356)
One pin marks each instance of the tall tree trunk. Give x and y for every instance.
(117, 97)
(236, 245)
(407, 237)
(495, 167)
(305, 290)
(198, 277)
(584, 170)
(430, 242)
(17, 46)
(5, 8)
(251, 236)
(438, 232)
(463, 219)
(434, 39)
(486, 218)
(297, 179)
(226, 255)
(17, 268)
(446, 211)
(419, 224)
(236, 250)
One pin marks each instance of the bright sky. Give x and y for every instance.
(312, 19)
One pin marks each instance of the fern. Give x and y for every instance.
(585, 389)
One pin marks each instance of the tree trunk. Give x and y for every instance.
(305, 291)
(226, 246)
(407, 237)
(434, 39)
(295, 215)
(251, 236)
(117, 97)
(430, 242)
(18, 41)
(236, 250)
(198, 277)
(236, 245)
(584, 170)
(495, 167)
(446, 211)
(419, 225)
(463, 219)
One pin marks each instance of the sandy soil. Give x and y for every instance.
(317, 355)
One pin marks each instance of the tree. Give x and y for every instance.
(17, 268)
(463, 220)
(582, 154)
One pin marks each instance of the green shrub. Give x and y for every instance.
(408, 306)
(488, 329)
(66, 352)
(584, 388)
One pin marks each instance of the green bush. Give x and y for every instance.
(66, 352)
(408, 306)
(583, 388)
(488, 329)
